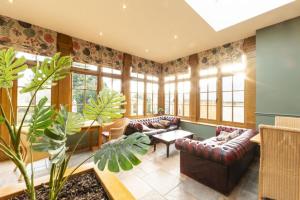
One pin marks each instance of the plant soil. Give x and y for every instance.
(83, 186)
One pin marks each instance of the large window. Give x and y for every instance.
(208, 93)
(143, 94)
(84, 85)
(170, 95)
(23, 99)
(233, 91)
(183, 95)
(112, 79)
(231, 108)
(137, 88)
(151, 95)
(137, 97)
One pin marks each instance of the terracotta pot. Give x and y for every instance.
(114, 188)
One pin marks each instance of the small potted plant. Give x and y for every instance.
(49, 128)
(161, 111)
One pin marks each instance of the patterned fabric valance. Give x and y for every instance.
(94, 54)
(86, 52)
(26, 37)
(112, 58)
(180, 65)
(228, 53)
(141, 65)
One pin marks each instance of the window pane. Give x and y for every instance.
(212, 84)
(227, 98)
(212, 112)
(116, 71)
(203, 85)
(90, 94)
(78, 81)
(77, 108)
(107, 70)
(172, 109)
(239, 81)
(227, 83)
(91, 67)
(208, 72)
(117, 85)
(186, 98)
(238, 114)
(180, 109)
(186, 110)
(238, 98)
(78, 97)
(149, 87)
(44, 93)
(107, 82)
(227, 113)
(133, 86)
(170, 78)
(180, 98)
(26, 79)
(203, 112)
(212, 98)
(140, 87)
(20, 114)
(91, 82)
(23, 98)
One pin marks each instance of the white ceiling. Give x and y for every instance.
(144, 24)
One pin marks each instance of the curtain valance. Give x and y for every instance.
(86, 52)
(26, 37)
(141, 65)
(112, 58)
(180, 65)
(227, 53)
(94, 54)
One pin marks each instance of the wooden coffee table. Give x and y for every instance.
(170, 138)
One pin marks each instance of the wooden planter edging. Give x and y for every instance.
(114, 188)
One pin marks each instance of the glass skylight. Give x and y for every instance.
(221, 14)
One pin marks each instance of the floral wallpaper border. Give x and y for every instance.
(227, 53)
(26, 37)
(94, 54)
(141, 65)
(180, 65)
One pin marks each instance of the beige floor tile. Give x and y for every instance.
(136, 186)
(179, 194)
(153, 195)
(161, 181)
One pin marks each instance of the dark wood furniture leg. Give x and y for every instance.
(154, 145)
(168, 149)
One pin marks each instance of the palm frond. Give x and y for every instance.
(54, 138)
(10, 67)
(42, 118)
(106, 107)
(49, 72)
(120, 153)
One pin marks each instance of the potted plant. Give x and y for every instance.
(49, 128)
(161, 111)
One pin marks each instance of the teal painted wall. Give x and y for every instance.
(201, 131)
(278, 71)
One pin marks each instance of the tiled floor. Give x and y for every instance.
(158, 178)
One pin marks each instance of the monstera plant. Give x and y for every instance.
(50, 127)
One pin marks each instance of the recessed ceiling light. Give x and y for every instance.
(100, 33)
(146, 50)
(175, 37)
(124, 6)
(221, 14)
(10, 1)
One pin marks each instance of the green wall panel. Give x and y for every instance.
(278, 71)
(201, 131)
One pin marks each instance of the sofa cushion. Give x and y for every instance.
(157, 125)
(165, 123)
(155, 131)
(226, 153)
(172, 128)
(146, 128)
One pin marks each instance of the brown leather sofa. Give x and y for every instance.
(219, 166)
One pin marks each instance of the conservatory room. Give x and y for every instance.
(149, 100)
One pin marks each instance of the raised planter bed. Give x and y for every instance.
(87, 183)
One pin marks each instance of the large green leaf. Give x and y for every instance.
(49, 72)
(54, 138)
(42, 118)
(106, 107)
(120, 153)
(10, 68)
